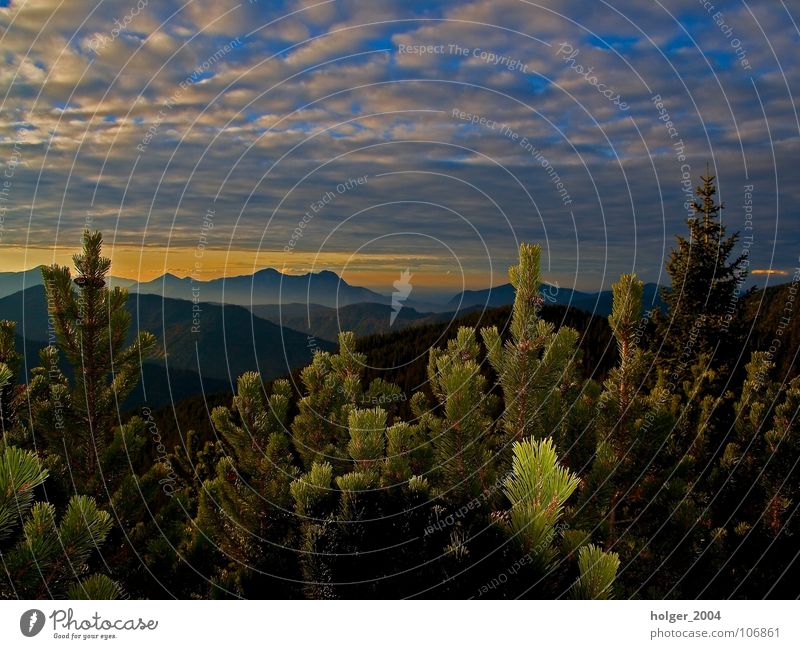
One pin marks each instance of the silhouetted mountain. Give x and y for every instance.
(267, 286)
(228, 340)
(28, 309)
(13, 282)
(326, 322)
(598, 303)
(215, 341)
(158, 387)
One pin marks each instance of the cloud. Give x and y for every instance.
(769, 271)
(154, 127)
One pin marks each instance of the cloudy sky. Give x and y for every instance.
(214, 137)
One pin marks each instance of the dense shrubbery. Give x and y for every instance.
(517, 471)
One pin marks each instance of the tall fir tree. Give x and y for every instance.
(702, 304)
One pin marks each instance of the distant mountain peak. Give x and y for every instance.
(265, 286)
(262, 272)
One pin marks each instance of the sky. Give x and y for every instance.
(214, 138)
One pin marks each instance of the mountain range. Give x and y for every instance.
(267, 286)
(208, 345)
(597, 303)
(363, 319)
(14, 281)
(204, 346)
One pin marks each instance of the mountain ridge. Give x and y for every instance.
(265, 286)
(598, 303)
(185, 329)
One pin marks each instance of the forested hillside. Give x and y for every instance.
(531, 451)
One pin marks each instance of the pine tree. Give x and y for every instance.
(362, 532)
(640, 496)
(462, 438)
(245, 510)
(43, 558)
(537, 489)
(702, 304)
(79, 417)
(75, 417)
(622, 446)
(536, 366)
(333, 388)
(10, 394)
(360, 492)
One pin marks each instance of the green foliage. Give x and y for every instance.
(95, 587)
(10, 360)
(635, 477)
(74, 416)
(462, 437)
(20, 474)
(244, 509)
(624, 400)
(312, 488)
(756, 484)
(701, 302)
(91, 326)
(624, 320)
(537, 488)
(43, 558)
(367, 436)
(598, 570)
(333, 388)
(537, 364)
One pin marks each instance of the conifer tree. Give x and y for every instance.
(333, 389)
(638, 495)
(75, 416)
(360, 528)
(10, 394)
(702, 300)
(79, 416)
(462, 438)
(43, 558)
(536, 365)
(245, 510)
(362, 535)
(623, 403)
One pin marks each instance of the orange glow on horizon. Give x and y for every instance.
(768, 271)
(373, 270)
